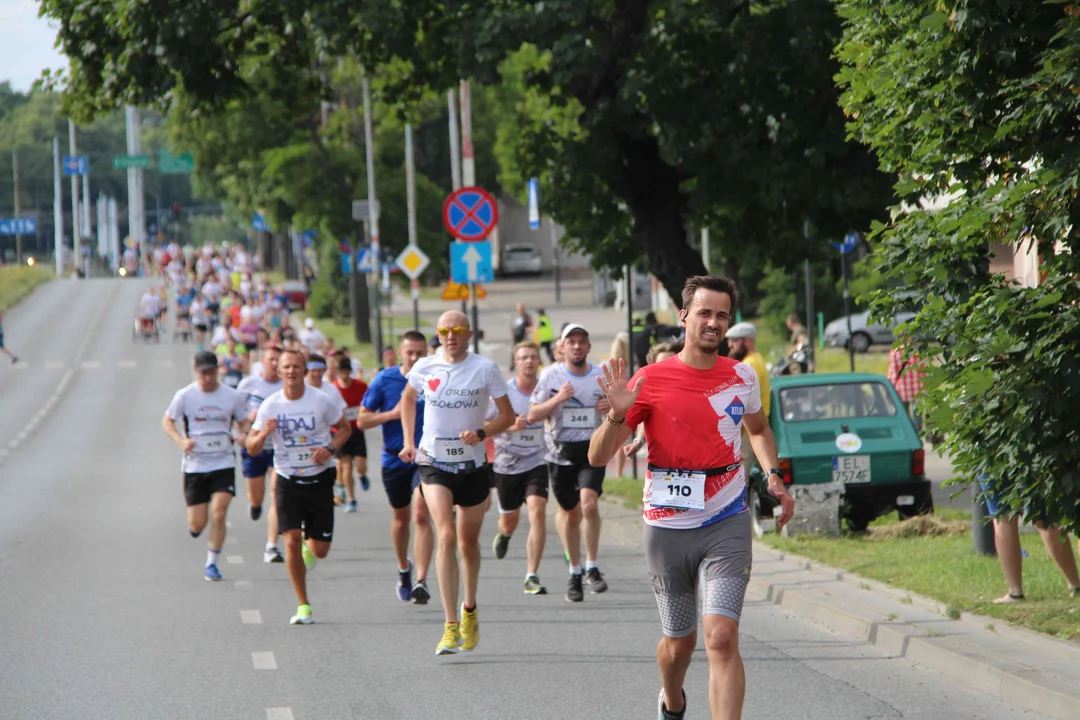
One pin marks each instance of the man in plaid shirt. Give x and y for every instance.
(906, 376)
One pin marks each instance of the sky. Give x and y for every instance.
(27, 48)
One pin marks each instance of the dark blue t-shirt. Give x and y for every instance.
(382, 396)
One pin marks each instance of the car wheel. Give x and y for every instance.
(909, 511)
(860, 342)
(859, 518)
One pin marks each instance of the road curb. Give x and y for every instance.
(1013, 664)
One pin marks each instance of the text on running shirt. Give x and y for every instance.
(577, 418)
(303, 426)
(518, 451)
(207, 418)
(693, 421)
(456, 399)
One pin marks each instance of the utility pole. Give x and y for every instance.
(455, 139)
(18, 204)
(705, 250)
(410, 201)
(136, 200)
(76, 239)
(373, 212)
(86, 231)
(58, 209)
(468, 178)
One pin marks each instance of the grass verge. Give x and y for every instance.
(947, 569)
(626, 489)
(18, 281)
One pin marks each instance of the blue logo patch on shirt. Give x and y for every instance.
(735, 410)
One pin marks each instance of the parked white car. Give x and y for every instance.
(863, 336)
(521, 260)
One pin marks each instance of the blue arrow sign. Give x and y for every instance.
(470, 262)
(18, 226)
(258, 223)
(534, 204)
(850, 241)
(76, 164)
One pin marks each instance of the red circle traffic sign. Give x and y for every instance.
(470, 214)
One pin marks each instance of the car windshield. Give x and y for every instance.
(835, 402)
(519, 251)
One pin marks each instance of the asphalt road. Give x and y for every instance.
(104, 612)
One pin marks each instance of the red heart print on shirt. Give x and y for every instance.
(433, 383)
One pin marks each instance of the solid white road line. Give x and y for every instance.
(235, 559)
(279, 714)
(263, 661)
(251, 617)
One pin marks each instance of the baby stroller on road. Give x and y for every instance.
(146, 328)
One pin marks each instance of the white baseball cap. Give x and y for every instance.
(742, 330)
(571, 329)
(309, 323)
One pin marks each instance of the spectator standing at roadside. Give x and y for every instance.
(545, 333)
(906, 376)
(742, 346)
(799, 337)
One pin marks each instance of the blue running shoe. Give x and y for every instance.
(404, 584)
(365, 483)
(212, 573)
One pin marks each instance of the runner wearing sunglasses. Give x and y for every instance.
(457, 387)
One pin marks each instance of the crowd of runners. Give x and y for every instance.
(454, 430)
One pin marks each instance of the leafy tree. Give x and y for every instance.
(642, 118)
(976, 112)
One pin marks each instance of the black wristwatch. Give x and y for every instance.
(775, 471)
(481, 433)
(331, 448)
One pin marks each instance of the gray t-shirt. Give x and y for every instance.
(207, 418)
(522, 450)
(576, 419)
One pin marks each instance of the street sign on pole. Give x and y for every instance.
(845, 247)
(361, 210)
(131, 162)
(258, 222)
(456, 291)
(76, 165)
(850, 241)
(175, 164)
(471, 263)
(470, 214)
(18, 226)
(412, 261)
(534, 204)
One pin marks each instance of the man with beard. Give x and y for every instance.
(567, 396)
(742, 346)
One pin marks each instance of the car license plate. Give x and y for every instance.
(851, 469)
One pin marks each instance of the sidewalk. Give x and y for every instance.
(1031, 671)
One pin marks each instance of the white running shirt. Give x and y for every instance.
(518, 451)
(303, 427)
(456, 397)
(576, 419)
(207, 418)
(256, 389)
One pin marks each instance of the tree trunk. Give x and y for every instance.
(650, 188)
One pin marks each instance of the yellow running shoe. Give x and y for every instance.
(470, 629)
(451, 640)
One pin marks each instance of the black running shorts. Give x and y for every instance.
(469, 488)
(355, 446)
(513, 489)
(568, 480)
(308, 503)
(200, 487)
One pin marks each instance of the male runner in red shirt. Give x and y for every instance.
(694, 407)
(352, 457)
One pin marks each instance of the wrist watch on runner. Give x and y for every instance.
(777, 472)
(481, 433)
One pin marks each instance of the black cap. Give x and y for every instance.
(205, 360)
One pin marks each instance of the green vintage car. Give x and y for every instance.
(851, 429)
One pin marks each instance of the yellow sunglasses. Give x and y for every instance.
(448, 331)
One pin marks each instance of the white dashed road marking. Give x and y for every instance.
(242, 585)
(279, 714)
(263, 661)
(164, 363)
(55, 365)
(235, 559)
(91, 365)
(251, 617)
(127, 363)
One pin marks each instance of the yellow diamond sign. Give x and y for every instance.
(412, 261)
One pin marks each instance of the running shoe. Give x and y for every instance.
(404, 584)
(574, 593)
(302, 616)
(595, 581)
(212, 573)
(499, 545)
(309, 556)
(255, 511)
(470, 628)
(365, 483)
(339, 494)
(662, 713)
(451, 640)
(350, 507)
(533, 586)
(566, 557)
(14, 359)
(420, 593)
(273, 556)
